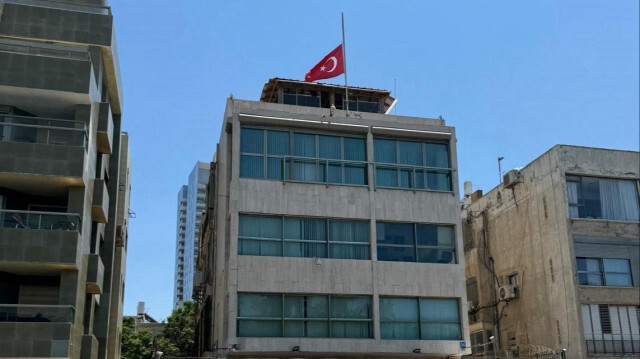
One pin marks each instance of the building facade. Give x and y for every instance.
(330, 233)
(64, 181)
(552, 257)
(191, 205)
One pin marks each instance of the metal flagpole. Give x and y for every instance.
(344, 61)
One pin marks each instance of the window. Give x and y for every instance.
(293, 156)
(409, 164)
(419, 318)
(611, 329)
(602, 198)
(480, 342)
(408, 242)
(472, 292)
(303, 237)
(604, 272)
(314, 316)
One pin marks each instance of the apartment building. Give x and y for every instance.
(191, 206)
(64, 181)
(331, 233)
(552, 257)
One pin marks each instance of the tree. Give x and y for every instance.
(134, 345)
(177, 338)
(178, 334)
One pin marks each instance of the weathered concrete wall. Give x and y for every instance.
(529, 233)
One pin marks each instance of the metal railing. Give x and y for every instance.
(43, 130)
(40, 220)
(322, 170)
(613, 346)
(413, 177)
(30, 313)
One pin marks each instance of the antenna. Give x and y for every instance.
(395, 93)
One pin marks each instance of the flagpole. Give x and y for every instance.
(344, 61)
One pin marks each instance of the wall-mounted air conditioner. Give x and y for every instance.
(507, 292)
(512, 178)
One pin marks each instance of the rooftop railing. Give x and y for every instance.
(30, 313)
(40, 220)
(43, 130)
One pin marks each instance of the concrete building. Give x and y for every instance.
(190, 208)
(331, 234)
(64, 181)
(552, 256)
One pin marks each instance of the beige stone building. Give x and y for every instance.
(552, 257)
(64, 181)
(331, 233)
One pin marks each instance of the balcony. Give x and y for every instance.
(100, 203)
(39, 240)
(105, 128)
(35, 330)
(34, 147)
(95, 274)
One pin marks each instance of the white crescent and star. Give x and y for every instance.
(335, 63)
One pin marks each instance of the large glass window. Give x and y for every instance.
(410, 164)
(314, 316)
(604, 272)
(295, 156)
(303, 237)
(408, 242)
(419, 318)
(602, 198)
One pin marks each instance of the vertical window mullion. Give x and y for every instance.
(328, 235)
(342, 172)
(329, 313)
(415, 244)
(265, 162)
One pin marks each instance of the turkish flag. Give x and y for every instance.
(330, 66)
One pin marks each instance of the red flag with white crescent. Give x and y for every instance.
(330, 66)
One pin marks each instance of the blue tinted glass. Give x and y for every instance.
(329, 147)
(396, 254)
(384, 151)
(277, 143)
(304, 145)
(274, 168)
(438, 181)
(354, 149)
(386, 177)
(355, 174)
(410, 153)
(252, 140)
(437, 155)
(251, 166)
(395, 233)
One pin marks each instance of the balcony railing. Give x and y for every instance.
(43, 130)
(36, 313)
(40, 220)
(321, 170)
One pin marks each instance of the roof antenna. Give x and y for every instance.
(500, 169)
(395, 93)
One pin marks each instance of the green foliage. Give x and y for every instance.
(177, 338)
(179, 331)
(134, 345)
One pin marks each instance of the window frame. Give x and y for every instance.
(425, 170)
(581, 205)
(602, 273)
(328, 242)
(321, 165)
(416, 247)
(329, 319)
(418, 320)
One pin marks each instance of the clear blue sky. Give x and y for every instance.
(513, 77)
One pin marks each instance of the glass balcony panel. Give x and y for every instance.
(36, 313)
(40, 220)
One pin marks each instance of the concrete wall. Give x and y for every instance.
(528, 232)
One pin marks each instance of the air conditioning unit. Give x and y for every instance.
(507, 292)
(512, 178)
